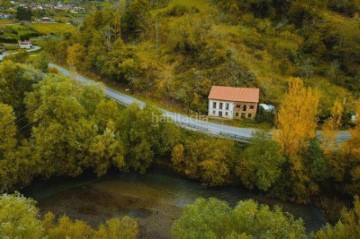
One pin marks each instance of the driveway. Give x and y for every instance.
(34, 48)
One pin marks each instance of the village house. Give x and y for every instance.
(4, 16)
(233, 102)
(47, 20)
(25, 44)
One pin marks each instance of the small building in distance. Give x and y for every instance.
(25, 44)
(4, 16)
(47, 20)
(233, 102)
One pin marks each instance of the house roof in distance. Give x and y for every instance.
(237, 94)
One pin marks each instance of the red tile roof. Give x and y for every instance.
(236, 94)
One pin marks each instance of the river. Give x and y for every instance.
(156, 199)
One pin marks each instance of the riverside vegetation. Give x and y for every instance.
(52, 126)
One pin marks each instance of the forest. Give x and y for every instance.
(304, 56)
(176, 50)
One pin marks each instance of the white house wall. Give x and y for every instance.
(218, 110)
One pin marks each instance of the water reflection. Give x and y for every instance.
(155, 199)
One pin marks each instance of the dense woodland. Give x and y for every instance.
(304, 57)
(176, 50)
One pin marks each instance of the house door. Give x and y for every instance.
(220, 114)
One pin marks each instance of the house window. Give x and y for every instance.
(221, 105)
(243, 115)
(214, 112)
(226, 113)
(252, 107)
(214, 105)
(220, 114)
(237, 114)
(238, 106)
(244, 108)
(227, 106)
(249, 115)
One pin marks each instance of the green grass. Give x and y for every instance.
(202, 5)
(11, 47)
(15, 31)
(5, 22)
(55, 28)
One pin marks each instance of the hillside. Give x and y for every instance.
(174, 51)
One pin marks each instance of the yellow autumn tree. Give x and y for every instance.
(297, 118)
(352, 153)
(330, 128)
(76, 56)
(296, 129)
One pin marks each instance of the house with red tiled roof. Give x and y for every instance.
(233, 102)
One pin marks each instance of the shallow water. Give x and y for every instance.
(156, 199)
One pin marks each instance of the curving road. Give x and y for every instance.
(219, 130)
(35, 48)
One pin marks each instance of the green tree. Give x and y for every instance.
(67, 228)
(351, 154)
(8, 141)
(23, 13)
(261, 163)
(16, 80)
(19, 218)
(136, 20)
(120, 63)
(348, 7)
(211, 160)
(69, 130)
(7, 130)
(146, 134)
(348, 227)
(212, 218)
(125, 227)
(76, 55)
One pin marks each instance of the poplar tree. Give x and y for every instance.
(297, 118)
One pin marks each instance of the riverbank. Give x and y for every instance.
(155, 199)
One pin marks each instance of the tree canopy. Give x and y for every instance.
(212, 218)
(20, 218)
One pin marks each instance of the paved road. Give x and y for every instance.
(236, 133)
(34, 48)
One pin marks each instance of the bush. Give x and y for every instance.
(180, 10)
(212, 218)
(7, 40)
(27, 36)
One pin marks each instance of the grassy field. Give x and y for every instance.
(15, 31)
(55, 28)
(5, 22)
(11, 47)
